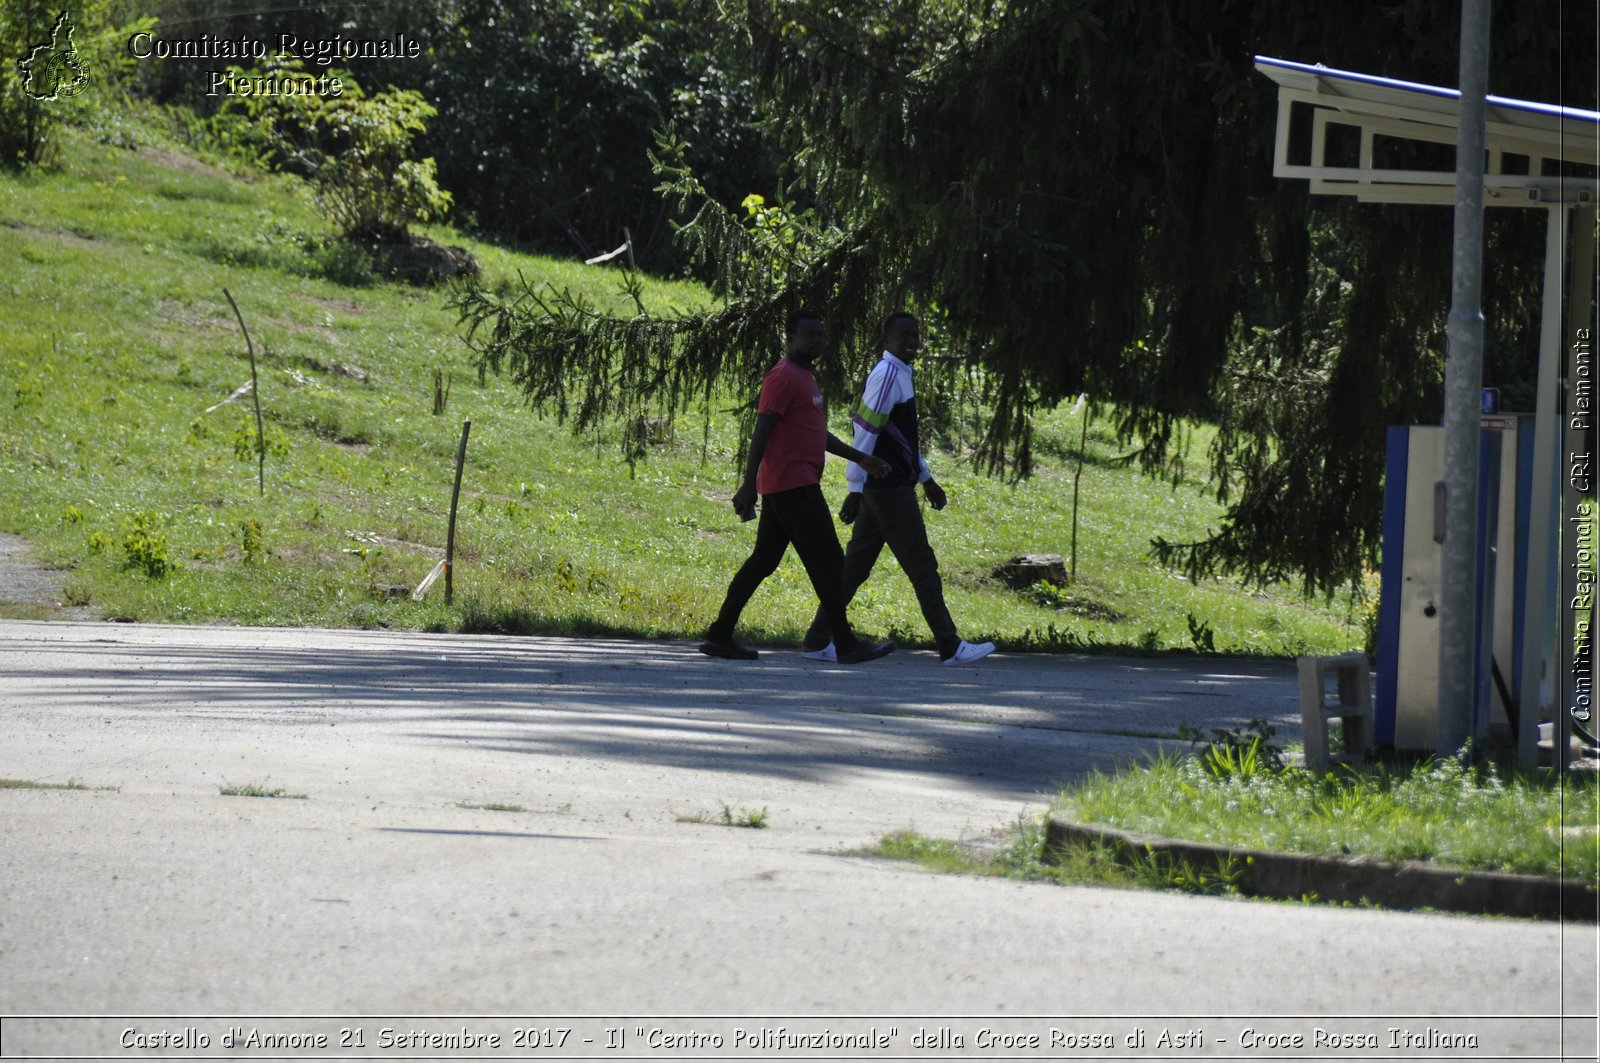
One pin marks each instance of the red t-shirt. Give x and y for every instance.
(798, 443)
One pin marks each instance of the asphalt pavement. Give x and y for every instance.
(504, 838)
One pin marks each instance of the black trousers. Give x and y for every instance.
(891, 517)
(800, 517)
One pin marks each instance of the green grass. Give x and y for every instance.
(1019, 853)
(1471, 817)
(745, 817)
(261, 790)
(118, 338)
(70, 784)
(492, 806)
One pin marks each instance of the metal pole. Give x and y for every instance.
(1463, 386)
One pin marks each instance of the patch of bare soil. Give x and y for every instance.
(179, 161)
(343, 306)
(65, 236)
(24, 583)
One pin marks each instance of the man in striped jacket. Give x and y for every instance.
(884, 509)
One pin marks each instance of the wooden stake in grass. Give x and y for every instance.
(1083, 445)
(455, 498)
(441, 390)
(443, 567)
(255, 393)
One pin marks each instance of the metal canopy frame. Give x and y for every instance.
(1558, 153)
(1542, 136)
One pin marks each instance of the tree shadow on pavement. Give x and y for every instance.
(1012, 725)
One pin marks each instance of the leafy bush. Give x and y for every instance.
(367, 183)
(37, 82)
(1371, 584)
(62, 67)
(252, 543)
(355, 149)
(144, 545)
(1235, 752)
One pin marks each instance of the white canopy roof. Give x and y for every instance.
(1540, 144)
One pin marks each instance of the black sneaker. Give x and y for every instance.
(866, 651)
(730, 650)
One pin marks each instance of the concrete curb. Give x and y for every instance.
(1390, 884)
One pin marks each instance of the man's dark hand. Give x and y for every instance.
(934, 494)
(851, 508)
(744, 499)
(875, 467)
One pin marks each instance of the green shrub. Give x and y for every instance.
(144, 545)
(1371, 583)
(252, 542)
(62, 66)
(31, 77)
(355, 149)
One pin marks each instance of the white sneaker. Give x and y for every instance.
(968, 653)
(829, 654)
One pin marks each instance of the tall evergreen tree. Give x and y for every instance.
(1079, 192)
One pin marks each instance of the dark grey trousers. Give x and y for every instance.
(891, 517)
(800, 517)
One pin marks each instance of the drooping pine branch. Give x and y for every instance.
(588, 367)
(1077, 193)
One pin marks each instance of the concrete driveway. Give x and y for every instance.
(616, 906)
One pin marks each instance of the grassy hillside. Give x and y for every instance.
(117, 338)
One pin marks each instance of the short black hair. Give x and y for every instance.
(803, 314)
(898, 315)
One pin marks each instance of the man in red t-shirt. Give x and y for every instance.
(785, 468)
